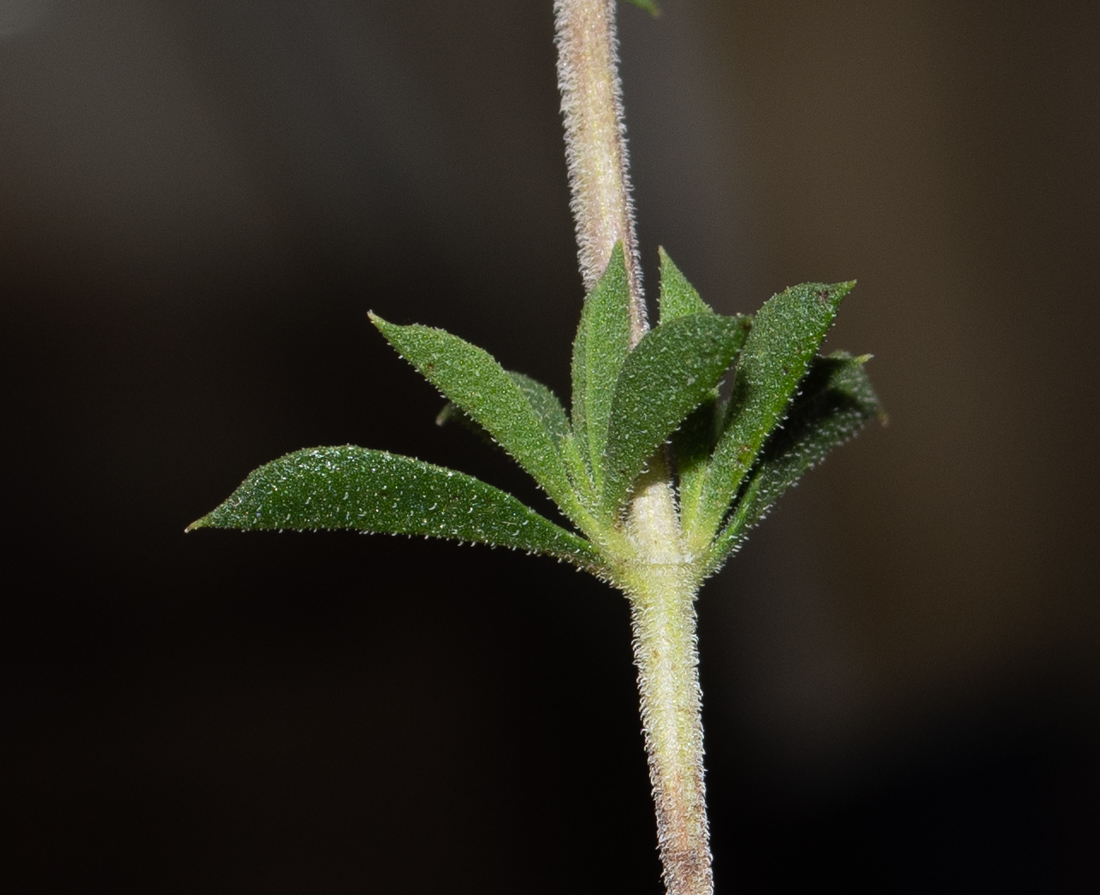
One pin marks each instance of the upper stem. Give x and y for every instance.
(595, 144)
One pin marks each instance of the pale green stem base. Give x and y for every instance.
(668, 681)
(661, 582)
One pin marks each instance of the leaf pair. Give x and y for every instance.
(835, 400)
(627, 402)
(733, 457)
(724, 445)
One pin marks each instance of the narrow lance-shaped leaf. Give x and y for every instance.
(477, 384)
(694, 441)
(836, 400)
(673, 369)
(785, 334)
(601, 346)
(375, 491)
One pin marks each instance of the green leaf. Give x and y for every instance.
(678, 297)
(601, 346)
(478, 385)
(694, 441)
(375, 491)
(835, 401)
(673, 369)
(648, 5)
(786, 332)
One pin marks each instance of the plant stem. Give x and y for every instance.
(658, 575)
(595, 144)
(667, 660)
(662, 584)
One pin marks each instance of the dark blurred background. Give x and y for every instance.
(198, 205)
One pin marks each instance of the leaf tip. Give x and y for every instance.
(204, 522)
(836, 292)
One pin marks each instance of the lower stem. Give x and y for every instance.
(668, 682)
(662, 584)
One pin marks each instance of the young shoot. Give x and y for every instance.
(658, 478)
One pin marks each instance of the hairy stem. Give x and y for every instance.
(595, 144)
(667, 659)
(657, 574)
(662, 585)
